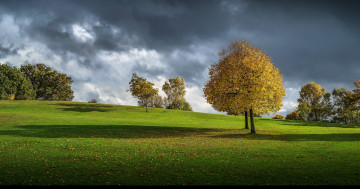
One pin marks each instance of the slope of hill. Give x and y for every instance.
(72, 143)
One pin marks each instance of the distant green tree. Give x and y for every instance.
(174, 88)
(355, 97)
(48, 84)
(294, 115)
(314, 102)
(187, 106)
(348, 104)
(326, 108)
(143, 90)
(344, 108)
(13, 84)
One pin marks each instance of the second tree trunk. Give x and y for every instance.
(252, 121)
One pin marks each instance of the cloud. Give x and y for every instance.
(81, 33)
(195, 96)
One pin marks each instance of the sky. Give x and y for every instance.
(101, 43)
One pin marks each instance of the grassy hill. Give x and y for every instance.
(70, 143)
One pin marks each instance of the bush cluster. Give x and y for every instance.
(277, 116)
(93, 101)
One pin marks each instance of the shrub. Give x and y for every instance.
(11, 97)
(294, 115)
(277, 116)
(93, 101)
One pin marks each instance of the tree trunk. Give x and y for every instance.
(252, 121)
(246, 121)
(146, 107)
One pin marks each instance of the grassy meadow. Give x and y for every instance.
(72, 143)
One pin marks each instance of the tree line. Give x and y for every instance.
(40, 82)
(339, 106)
(34, 82)
(148, 96)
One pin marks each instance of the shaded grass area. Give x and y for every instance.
(69, 143)
(136, 131)
(86, 107)
(317, 124)
(107, 131)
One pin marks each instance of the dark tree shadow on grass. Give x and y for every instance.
(86, 107)
(105, 131)
(311, 123)
(296, 137)
(136, 131)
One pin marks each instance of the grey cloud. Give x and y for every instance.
(7, 51)
(147, 72)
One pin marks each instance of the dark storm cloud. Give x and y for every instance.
(308, 40)
(169, 25)
(6, 51)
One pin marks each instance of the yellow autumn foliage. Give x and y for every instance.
(244, 79)
(142, 89)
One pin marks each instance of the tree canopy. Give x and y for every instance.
(143, 90)
(314, 102)
(174, 88)
(13, 84)
(244, 79)
(48, 84)
(356, 94)
(344, 107)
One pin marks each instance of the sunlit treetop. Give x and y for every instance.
(244, 78)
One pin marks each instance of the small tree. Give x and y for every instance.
(174, 88)
(314, 102)
(142, 90)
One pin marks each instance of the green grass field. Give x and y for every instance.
(69, 143)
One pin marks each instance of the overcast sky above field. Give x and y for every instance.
(101, 43)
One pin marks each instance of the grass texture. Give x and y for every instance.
(73, 143)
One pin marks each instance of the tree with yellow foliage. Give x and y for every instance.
(143, 90)
(244, 80)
